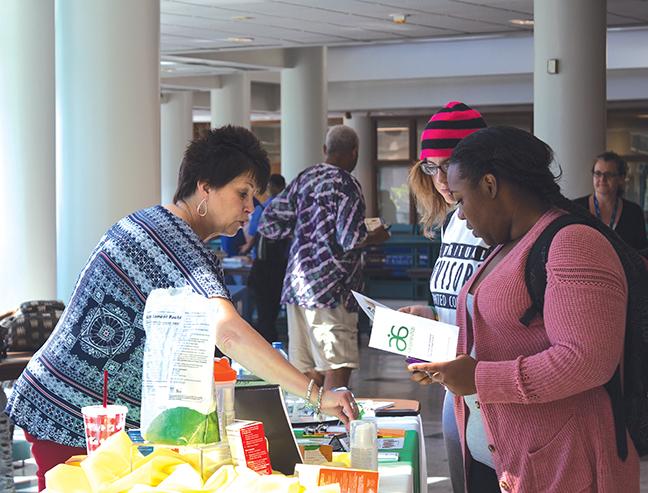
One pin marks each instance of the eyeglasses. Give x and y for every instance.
(431, 169)
(607, 174)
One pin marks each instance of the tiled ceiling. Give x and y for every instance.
(210, 25)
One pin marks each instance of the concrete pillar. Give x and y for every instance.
(304, 109)
(175, 134)
(230, 105)
(365, 171)
(569, 106)
(108, 121)
(27, 152)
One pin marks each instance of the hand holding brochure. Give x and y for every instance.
(409, 335)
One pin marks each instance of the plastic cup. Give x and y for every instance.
(101, 422)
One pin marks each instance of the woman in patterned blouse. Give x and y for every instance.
(158, 247)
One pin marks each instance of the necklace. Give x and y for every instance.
(597, 209)
(182, 205)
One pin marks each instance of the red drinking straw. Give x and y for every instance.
(105, 389)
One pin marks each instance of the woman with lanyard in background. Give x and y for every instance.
(461, 251)
(607, 202)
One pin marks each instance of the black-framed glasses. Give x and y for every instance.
(604, 174)
(431, 169)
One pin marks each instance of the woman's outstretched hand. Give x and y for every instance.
(457, 375)
(340, 403)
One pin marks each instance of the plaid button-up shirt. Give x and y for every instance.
(323, 211)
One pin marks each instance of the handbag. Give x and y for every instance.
(30, 326)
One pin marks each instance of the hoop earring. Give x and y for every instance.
(202, 208)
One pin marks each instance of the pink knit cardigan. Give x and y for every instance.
(546, 415)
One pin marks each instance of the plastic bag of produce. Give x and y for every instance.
(178, 405)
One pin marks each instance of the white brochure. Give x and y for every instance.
(367, 304)
(409, 335)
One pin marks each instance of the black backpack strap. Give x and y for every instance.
(535, 270)
(535, 277)
(615, 391)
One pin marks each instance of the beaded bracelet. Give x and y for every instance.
(309, 391)
(319, 400)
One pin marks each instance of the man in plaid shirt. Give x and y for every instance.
(323, 211)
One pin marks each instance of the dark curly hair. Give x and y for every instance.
(220, 155)
(516, 156)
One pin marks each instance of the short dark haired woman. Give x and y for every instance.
(158, 247)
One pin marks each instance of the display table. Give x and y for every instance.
(409, 473)
(239, 294)
(402, 463)
(401, 475)
(241, 272)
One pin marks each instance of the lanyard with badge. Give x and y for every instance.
(597, 209)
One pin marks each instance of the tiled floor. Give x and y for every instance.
(381, 375)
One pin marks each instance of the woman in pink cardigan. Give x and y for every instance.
(531, 408)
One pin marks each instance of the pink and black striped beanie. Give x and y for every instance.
(446, 128)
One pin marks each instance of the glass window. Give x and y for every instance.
(393, 194)
(421, 122)
(393, 140)
(270, 136)
(636, 187)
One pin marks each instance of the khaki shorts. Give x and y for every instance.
(322, 339)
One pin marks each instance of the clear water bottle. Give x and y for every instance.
(279, 347)
(364, 445)
(224, 388)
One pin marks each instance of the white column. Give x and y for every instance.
(304, 109)
(364, 171)
(27, 152)
(108, 121)
(230, 104)
(176, 132)
(569, 107)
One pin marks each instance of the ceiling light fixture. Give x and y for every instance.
(240, 39)
(242, 18)
(522, 22)
(399, 18)
(166, 63)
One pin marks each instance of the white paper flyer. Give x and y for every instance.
(367, 304)
(410, 335)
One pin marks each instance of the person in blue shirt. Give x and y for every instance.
(232, 244)
(269, 267)
(276, 184)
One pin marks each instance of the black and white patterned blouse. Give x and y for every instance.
(101, 329)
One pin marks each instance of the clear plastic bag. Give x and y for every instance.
(178, 405)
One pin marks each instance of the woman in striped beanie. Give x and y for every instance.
(460, 255)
